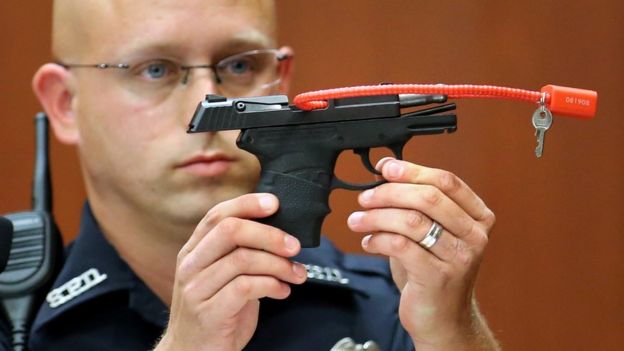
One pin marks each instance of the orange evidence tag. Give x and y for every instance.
(571, 102)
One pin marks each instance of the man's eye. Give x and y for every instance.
(157, 70)
(239, 67)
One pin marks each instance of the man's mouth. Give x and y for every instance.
(207, 165)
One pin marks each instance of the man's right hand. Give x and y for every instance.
(228, 264)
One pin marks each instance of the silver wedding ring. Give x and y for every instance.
(432, 236)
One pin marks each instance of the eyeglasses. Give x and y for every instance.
(238, 75)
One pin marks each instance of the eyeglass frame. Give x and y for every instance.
(280, 56)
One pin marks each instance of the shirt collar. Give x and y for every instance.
(92, 269)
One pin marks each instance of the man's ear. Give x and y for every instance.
(286, 69)
(51, 84)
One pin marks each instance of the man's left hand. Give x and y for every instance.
(437, 306)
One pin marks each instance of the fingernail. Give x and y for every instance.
(299, 270)
(355, 218)
(367, 195)
(395, 169)
(365, 241)
(291, 242)
(267, 202)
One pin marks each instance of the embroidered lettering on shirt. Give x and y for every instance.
(326, 273)
(75, 287)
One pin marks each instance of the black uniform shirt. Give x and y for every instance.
(5, 339)
(98, 303)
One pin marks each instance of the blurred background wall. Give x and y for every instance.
(553, 276)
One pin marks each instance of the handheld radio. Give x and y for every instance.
(34, 253)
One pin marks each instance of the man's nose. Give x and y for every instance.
(200, 79)
(198, 83)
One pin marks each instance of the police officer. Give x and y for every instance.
(169, 256)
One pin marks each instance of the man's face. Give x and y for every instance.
(133, 145)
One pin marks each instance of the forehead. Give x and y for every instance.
(96, 28)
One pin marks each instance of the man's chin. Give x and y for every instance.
(192, 208)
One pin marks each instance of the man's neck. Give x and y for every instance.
(147, 246)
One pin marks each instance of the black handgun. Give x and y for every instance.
(298, 149)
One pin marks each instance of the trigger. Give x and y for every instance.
(365, 156)
(397, 149)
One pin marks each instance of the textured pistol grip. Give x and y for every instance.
(303, 205)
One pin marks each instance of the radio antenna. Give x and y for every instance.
(41, 187)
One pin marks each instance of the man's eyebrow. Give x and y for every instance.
(243, 42)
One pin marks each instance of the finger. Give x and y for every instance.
(236, 294)
(404, 172)
(409, 223)
(422, 267)
(245, 206)
(230, 234)
(243, 261)
(423, 198)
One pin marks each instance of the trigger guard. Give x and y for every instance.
(397, 150)
(340, 184)
(365, 156)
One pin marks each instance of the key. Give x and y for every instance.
(542, 120)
